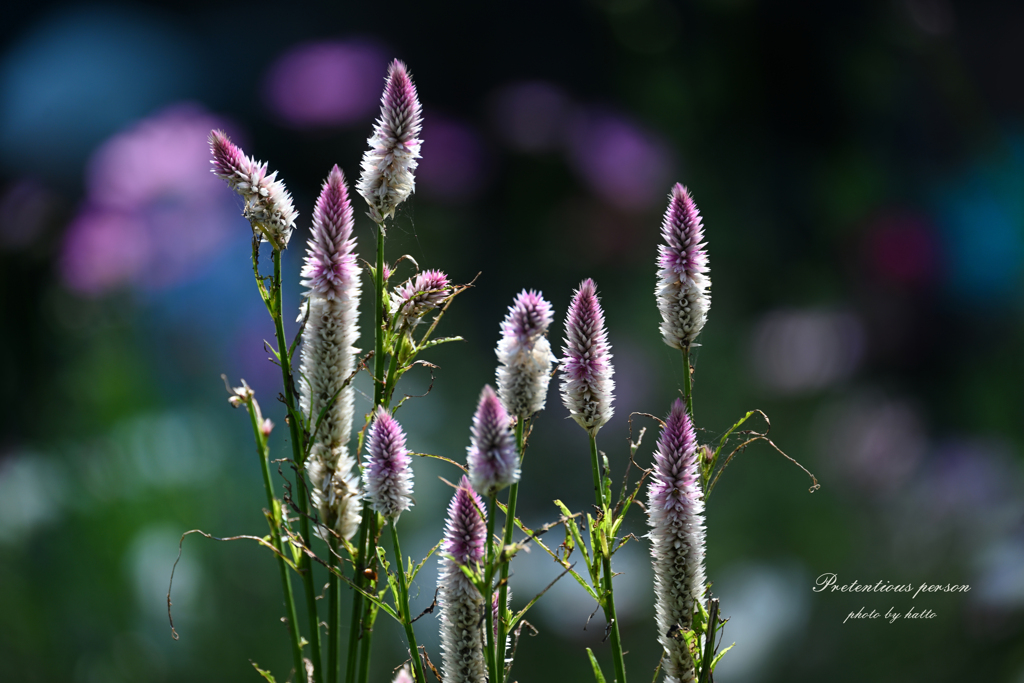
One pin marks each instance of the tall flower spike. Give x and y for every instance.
(491, 456)
(268, 205)
(387, 179)
(419, 295)
(676, 514)
(403, 675)
(524, 355)
(586, 367)
(683, 289)
(462, 629)
(331, 276)
(387, 472)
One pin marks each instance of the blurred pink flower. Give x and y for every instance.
(531, 116)
(153, 212)
(326, 83)
(627, 166)
(456, 166)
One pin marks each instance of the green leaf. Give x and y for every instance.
(438, 342)
(277, 513)
(266, 674)
(714, 662)
(598, 676)
(423, 561)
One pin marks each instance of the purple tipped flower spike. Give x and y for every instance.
(462, 630)
(388, 165)
(491, 456)
(586, 367)
(387, 472)
(268, 205)
(419, 295)
(676, 514)
(524, 355)
(683, 289)
(331, 276)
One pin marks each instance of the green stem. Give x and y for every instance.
(687, 388)
(333, 637)
(389, 384)
(604, 549)
(596, 467)
(492, 665)
(369, 609)
(510, 522)
(378, 321)
(403, 595)
(275, 535)
(362, 610)
(305, 567)
(352, 655)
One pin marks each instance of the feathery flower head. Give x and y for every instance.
(462, 634)
(676, 515)
(387, 179)
(419, 295)
(403, 675)
(331, 268)
(524, 355)
(491, 456)
(387, 472)
(331, 329)
(268, 205)
(683, 289)
(586, 367)
(334, 490)
(465, 533)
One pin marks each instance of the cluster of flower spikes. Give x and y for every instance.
(586, 367)
(331, 277)
(675, 511)
(524, 355)
(387, 177)
(683, 289)
(268, 204)
(464, 545)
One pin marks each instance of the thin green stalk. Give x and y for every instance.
(352, 656)
(389, 383)
(510, 522)
(369, 609)
(687, 388)
(305, 567)
(403, 595)
(492, 665)
(333, 636)
(606, 563)
(275, 536)
(378, 321)
(596, 467)
(362, 610)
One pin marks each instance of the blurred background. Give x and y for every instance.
(859, 167)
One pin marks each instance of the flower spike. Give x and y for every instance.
(586, 368)
(683, 289)
(387, 472)
(491, 456)
(331, 276)
(462, 629)
(524, 355)
(676, 515)
(419, 295)
(268, 205)
(387, 179)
